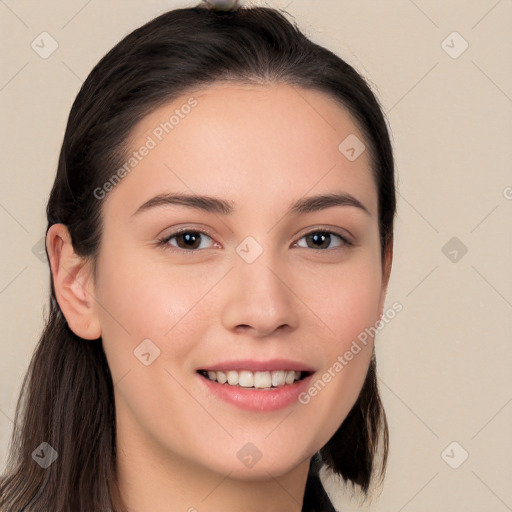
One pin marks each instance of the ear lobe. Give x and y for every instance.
(386, 271)
(73, 283)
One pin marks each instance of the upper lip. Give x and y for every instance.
(259, 366)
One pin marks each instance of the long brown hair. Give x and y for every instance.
(67, 396)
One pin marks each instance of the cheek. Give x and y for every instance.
(145, 296)
(354, 308)
(347, 305)
(345, 299)
(144, 300)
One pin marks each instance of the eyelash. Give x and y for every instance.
(164, 242)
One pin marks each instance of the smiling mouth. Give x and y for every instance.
(255, 380)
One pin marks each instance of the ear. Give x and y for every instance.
(73, 283)
(386, 271)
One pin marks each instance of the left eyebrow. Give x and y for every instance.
(220, 206)
(322, 201)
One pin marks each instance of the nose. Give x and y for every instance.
(259, 298)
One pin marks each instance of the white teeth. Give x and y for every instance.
(232, 378)
(290, 377)
(278, 378)
(245, 379)
(260, 380)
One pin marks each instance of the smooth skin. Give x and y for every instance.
(261, 148)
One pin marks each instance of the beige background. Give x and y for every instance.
(445, 360)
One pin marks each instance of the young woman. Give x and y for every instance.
(220, 236)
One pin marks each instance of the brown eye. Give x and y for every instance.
(187, 240)
(323, 240)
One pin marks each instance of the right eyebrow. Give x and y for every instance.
(205, 203)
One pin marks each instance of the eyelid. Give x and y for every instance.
(343, 244)
(164, 241)
(173, 230)
(345, 240)
(344, 234)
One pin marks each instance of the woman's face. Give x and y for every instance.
(245, 290)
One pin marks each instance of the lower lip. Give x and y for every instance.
(260, 400)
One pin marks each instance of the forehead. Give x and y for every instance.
(247, 144)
